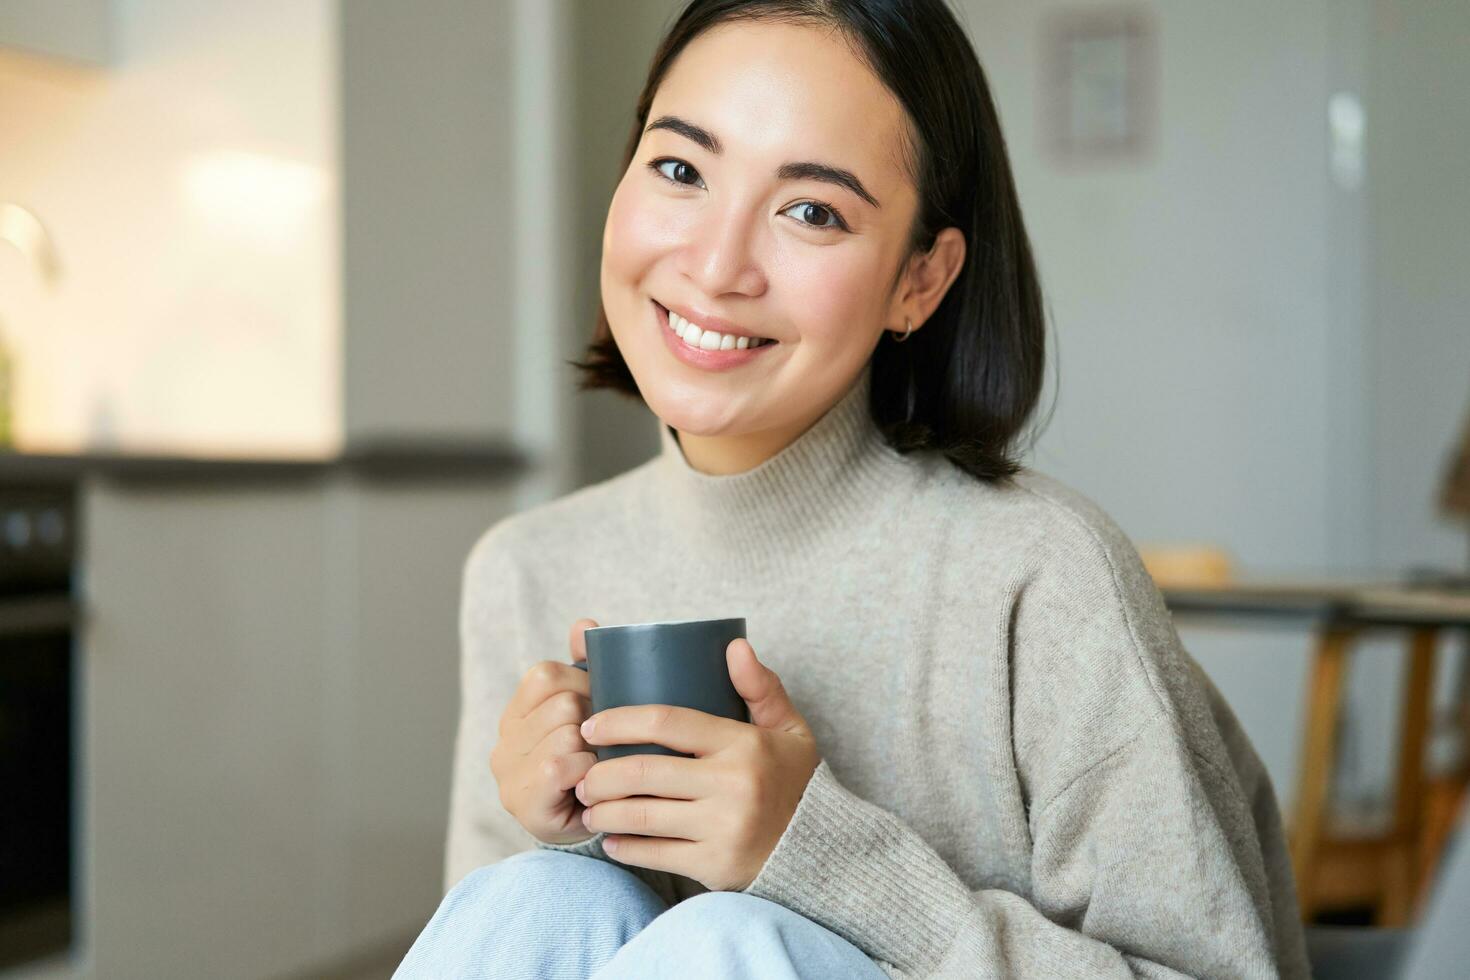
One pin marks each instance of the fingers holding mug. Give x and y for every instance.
(578, 641)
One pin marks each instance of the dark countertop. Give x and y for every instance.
(394, 459)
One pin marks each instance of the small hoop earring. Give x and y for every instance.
(894, 333)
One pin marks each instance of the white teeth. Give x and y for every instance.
(710, 339)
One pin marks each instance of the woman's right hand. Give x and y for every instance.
(541, 755)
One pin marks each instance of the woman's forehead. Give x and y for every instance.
(769, 90)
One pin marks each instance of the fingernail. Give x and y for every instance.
(579, 790)
(587, 819)
(588, 726)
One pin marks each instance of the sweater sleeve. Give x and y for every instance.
(1141, 882)
(481, 831)
(1155, 847)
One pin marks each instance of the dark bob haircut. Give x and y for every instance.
(967, 383)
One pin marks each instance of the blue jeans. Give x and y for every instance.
(550, 915)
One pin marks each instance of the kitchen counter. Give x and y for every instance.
(282, 632)
(379, 460)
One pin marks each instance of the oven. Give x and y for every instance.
(38, 722)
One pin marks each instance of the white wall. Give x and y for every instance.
(1418, 148)
(191, 190)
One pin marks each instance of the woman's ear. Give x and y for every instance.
(930, 274)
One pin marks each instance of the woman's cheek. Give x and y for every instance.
(836, 295)
(628, 242)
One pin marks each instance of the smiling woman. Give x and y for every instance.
(846, 175)
(976, 745)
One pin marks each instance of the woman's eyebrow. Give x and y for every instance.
(803, 170)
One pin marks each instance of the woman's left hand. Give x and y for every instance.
(714, 818)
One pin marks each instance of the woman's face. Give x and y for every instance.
(723, 235)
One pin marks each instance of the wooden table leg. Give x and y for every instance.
(1445, 793)
(1318, 758)
(1401, 858)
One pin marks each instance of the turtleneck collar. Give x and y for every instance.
(835, 474)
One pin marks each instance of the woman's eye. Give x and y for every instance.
(811, 209)
(813, 214)
(679, 167)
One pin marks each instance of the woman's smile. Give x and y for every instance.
(689, 349)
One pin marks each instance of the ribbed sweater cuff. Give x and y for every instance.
(591, 847)
(863, 873)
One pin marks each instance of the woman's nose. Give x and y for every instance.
(719, 257)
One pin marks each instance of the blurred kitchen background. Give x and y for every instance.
(286, 291)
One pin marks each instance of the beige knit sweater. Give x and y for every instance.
(1023, 772)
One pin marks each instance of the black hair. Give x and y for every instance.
(967, 382)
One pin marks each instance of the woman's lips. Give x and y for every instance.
(709, 360)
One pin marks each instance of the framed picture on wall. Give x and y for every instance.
(1098, 89)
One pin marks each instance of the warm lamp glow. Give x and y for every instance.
(260, 197)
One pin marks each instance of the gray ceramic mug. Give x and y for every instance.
(681, 662)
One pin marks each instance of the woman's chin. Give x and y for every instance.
(697, 427)
(692, 421)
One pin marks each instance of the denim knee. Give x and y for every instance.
(735, 936)
(568, 886)
(735, 911)
(514, 918)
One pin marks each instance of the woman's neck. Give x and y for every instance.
(724, 455)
